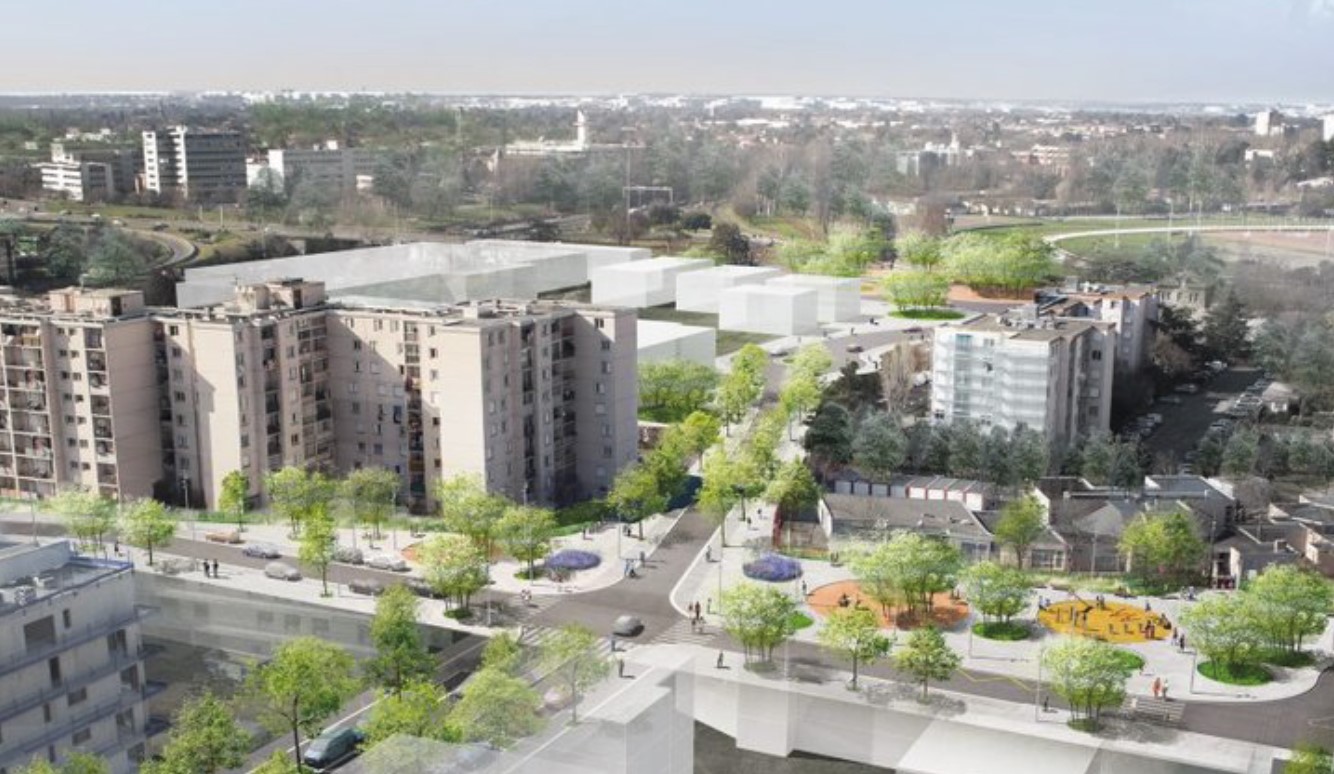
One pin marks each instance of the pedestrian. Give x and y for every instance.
(1165, 691)
(205, 568)
(1157, 686)
(708, 553)
(803, 588)
(1182, 642)
(117, 546)
(620, 667)
(612, 639)
(710, 606)
(1046, 703)
(693, 624)
(719, 665)
(699, 612)
(215, 568)
(643, 559)
(1147, 607)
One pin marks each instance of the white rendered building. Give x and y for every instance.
(1053, 376)
(660, 341)
(642, 283)
(1327, 128)
(780, 310)
(839, 298)
(698, 291)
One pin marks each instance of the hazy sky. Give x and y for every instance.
(1200, 50)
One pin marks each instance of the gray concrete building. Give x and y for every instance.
(201, 165)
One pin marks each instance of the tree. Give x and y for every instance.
(913, 290)
(497, 708)
(799, 396)
(370, 493)
(911, 566)
(277, 763)
(1225, 629)
(1108, 462)
(1289, 604)
(699, 431)
(1022, 523)
(571, 655)
(879, 447)
(453, 566)
(1029, 455)
(636, 494)
(204, 739)
(926, 657)
(1225, 328)
(503, 653)
(812, 361)
(1164, 548)
(1240, 453)
(87, 515)
(759, 617)
(400, 655)
(525, 531)
(469, 510)
(234, 496)
(145, 524)
(829, 436)
(301, 685)
(294, 493)
(1309, 759)
(854, 633)
(918, 250)
(732, 399)
(728, 243)
(793, 488)
(996, 592)
(318, 541)
(670, 390)
(418, 708)
(1089, 674)
(75, 763)
(114, 261)
(727, 479)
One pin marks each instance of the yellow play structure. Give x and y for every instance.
(1115, 622)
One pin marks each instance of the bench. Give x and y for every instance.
(1148, 708)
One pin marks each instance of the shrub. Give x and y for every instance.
(774, 568)
(1005, 631)
(572, 559)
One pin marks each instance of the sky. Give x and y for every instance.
(1113, 50)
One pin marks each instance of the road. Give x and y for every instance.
(1183, 425)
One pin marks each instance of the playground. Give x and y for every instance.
(1115, 622)
(945, 612)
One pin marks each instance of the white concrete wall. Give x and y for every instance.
(659, 341)
(776, 310)
(642, 283)
(839, 297)
(698, 291)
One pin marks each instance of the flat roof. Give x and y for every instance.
(816, 280)
(650, 332)
(651, 265)
(786, 291)
(935, 516)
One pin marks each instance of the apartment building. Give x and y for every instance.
(78, 394)
(1132, 311)
(1051, 375)
(70, 658)
(88, 175)
(202, 166)
(329, 167)
(537, 398)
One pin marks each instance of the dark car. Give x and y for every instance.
(627, 626)
(423, 589)
(367, 586)
(332, 748)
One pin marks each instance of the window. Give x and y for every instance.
(77, 697)
(356, 345)
(1096, 354)
(599, 323)
(67, 618)
(606, 345)
(606, 366)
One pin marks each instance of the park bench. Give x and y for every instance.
(1148, 708)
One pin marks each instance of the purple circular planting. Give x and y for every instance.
(572, 559)
(774, 568)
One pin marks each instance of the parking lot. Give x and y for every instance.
(1185, 424)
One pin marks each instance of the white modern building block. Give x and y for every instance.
(642, 283)
(698, 291)
(660, 341)
(840, 297)
(779, 310)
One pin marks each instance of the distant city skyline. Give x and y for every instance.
(1130, 51)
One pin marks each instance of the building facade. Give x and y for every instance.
(70, 658)
(88, 175)
(202, 166)
(539, 399)
(325, 168)
(1132, 311)
(1053, 376)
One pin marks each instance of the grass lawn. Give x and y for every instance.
(1130, 658)
(928, 314)
(1248, 674)
(1288, 658)
(459, 613)
(1005, 631)
(727, 342)
(800, 620)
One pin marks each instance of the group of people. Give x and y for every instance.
(213, 572)
(696, 616)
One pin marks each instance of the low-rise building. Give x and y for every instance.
(89, 174)
(70, 658)
(323, 168)
(1193, 298)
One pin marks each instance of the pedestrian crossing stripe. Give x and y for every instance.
(682, 632)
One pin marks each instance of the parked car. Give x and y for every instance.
(1174, 400)
(282, 571)
(1157, 419)
(555, 699)
(230, 536)
(423, 589)
(473, 757)
(348, 555)
(1188, 388)
(261, 550)
(387, 562)
(368, 586)
(627, 626)
(855, 348)
(332, 748)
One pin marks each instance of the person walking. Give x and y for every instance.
(215, 569)
(719, 665)
(620, 667)
(1157, 686)
(1165, 691)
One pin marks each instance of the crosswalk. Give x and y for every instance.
(534, 636)
(682, 632)
(524, 611)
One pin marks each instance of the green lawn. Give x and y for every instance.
(928, 314)
(1005, 631)
(1247, 674)
(1130, 658)
(728, 341)
(800, 620)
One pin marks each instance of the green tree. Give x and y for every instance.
(572, 656)
(996, 592)
(301, 685)
(793, 488)
(1240, 453)
(879, 447)
(1022, 523)
(699, 431)
(65, 251)
(1089, 674)
(87, 515)
(145, 524)
(853, 633)
(1164, 548)
(75, 763)
(400, 655)
(916, 290)
(294, 493)
(727, 479)
(670, 390)
(909, 566)
(418, 709)
(732, 399)
(497, 708)
(729, 244)
(919, 250)
(369, 494)
(525, 531)
(469, 510)
(1290, 603)
(277, 763)
(1224, 628)
(115, 261)
(504, 653)
(204, 739)
(759, 617)
(318, 541)
(812, 361)
(927, 657)
(1310, 759)
(1029, 455)
(829, 436)
(636, 494)
(234, 496)
(799, 397)
(751, 361)
(1226, 334)
(454, 567)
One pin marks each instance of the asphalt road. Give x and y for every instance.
(1183, 425)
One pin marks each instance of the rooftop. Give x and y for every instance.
(860, 513)
(31, 572)
(1044, 329)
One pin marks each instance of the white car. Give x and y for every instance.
(261, 550)
(387, 562)
(282, 571)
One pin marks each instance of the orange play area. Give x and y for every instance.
(1110, 621)
(945, 613)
